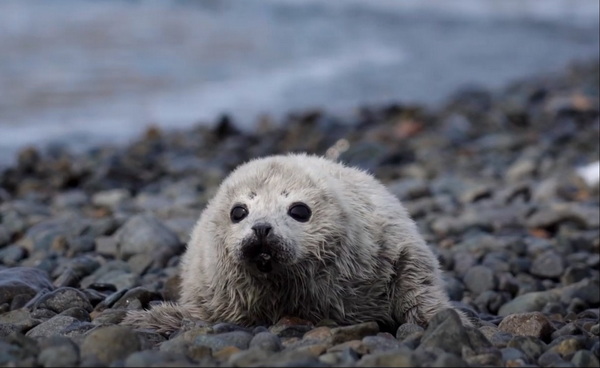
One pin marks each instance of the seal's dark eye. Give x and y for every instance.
(238, 213)
(299, 212)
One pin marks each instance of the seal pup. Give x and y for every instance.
(301, 235)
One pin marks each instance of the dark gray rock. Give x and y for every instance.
(407, 329)
(479, 279)
(62, 299)
(58, 351)
(376, 344)
(445, 326)
(239, 339)
(531, 346)
(512, 355)
(109, 344)
(548, 264)
(353, 332)
(137, 298)
(146, 234)
(266, 341)
(25, 281)
(528, 324)
(12, 255)
(54, 326)
(584, 358)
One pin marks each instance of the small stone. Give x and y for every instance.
(407, 329)
(375, 344)
(291, 327)
(22, 281)
(399, 358)
(498, 338)
(58, 351)
(111, 343)
(527, 324)
(532, 346)
(584, 358)
(239, 339)
(62, 299)
(479, 279)
(548, 264)
(566, 345)
(53, 326)
(106, 246)
(266, 341)
(320, 334)
(443, 327)
(550, 359)
(449, 360)
(142, 295)
(110, 198)
(353, 332)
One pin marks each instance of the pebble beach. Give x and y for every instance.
(502, 183)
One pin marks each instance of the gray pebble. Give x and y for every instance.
(266, 341)
(353, 332)
(479, 279)
(53, 326)
(584, 358)
(108, 344)
(22, 281)
(548, 264)
(407, 329)
(145, 234)
(58, 351)
(62, 299)
(239, 339)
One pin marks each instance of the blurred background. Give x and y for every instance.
(81, 73)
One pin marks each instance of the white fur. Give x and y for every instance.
(358, 258)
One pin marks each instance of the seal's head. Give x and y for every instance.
(274, 216)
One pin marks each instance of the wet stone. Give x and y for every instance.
(528, 324)
(266, 341)
(548, 264)
(407, 329)
(22, 281)
(62, 299)
(445, 326)
(58, 351)
(291, 327)
(145, 234)
(530, 345)
(353, 332)
(239, 339)
(479, 279)
(108, 344)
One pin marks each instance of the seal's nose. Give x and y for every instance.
(262, 229)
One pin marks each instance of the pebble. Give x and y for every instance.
(109, 344)
(528, 324)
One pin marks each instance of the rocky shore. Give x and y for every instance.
(494, 179)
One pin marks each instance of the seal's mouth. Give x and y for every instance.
(264, 262)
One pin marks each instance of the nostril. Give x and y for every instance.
(262, 229)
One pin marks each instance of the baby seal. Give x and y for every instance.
(301, 235)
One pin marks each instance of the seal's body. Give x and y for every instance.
(303, 236)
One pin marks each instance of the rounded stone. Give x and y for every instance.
(479, 279)
(108, 344)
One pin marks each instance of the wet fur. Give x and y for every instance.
(359, 257)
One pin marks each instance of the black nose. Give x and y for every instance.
(262, 229)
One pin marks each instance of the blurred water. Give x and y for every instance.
(87, 72)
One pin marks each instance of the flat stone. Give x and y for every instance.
(527, 324)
